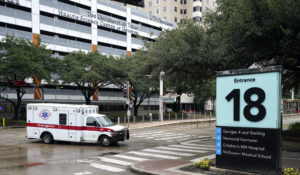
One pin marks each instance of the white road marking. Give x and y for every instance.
(153, 155)
(114, 161)
(209, 157)
(168, 152)
(170, 138)
(106, 168)
(197, 145)
(130, 157)
(184, 139)
(181, 149)
(192, 147)
(82, 173)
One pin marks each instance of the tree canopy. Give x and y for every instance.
(21, 59)
(265, 32)
(88, 71)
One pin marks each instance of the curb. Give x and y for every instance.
(140, 171)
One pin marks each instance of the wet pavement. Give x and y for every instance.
(180, 143)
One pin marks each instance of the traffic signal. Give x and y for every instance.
(139, 3)
(20, 83)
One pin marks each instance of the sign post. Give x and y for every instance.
(248, 131)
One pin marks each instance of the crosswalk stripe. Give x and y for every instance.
(153, 155)
(82, 173)
(114, 161)
(130, 157)
(181, 149)
(106, 168)
(168, 152)
(192, 147)
(170, 138)
(212, 156)
(198, 145)
(156, 135)
(147, 133)
(184, 139)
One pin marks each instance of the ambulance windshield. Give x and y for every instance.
(105, 121)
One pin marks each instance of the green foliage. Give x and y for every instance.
(21, 59)
(265, 32)
(295, 126)
(9, 122)
(204, 164)
(88, 71)
(291, 171)
(143, 85)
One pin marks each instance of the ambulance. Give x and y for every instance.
(73, 123)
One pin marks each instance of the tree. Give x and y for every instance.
(88, 71)
(184, 54)
(142, 84)
(21, 59)
(264, 32)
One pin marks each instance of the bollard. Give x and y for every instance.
(182, 115)
(143, 119)
(124, 120)
(118, 120)
(176, 116)
(169, 117)
(133, 119)
(3, 122)
(151, 118)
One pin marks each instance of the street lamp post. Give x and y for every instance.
(161, 114)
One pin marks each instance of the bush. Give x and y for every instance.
(291, 171)
(203, 164)
(10, 122)
(294, 125)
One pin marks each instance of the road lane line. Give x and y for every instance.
(106, 168)
(130, 157)
(168, 152)
(114, 161)
(153, 155)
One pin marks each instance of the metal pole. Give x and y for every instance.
(128, 103)
(3, 122)
(118, 120)
(169, 116)
(161, 115)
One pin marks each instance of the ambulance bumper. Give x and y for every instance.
(120, 135)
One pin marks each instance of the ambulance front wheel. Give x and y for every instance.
(47, 138)
(105, 141)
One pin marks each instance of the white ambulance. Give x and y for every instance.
(74, 123)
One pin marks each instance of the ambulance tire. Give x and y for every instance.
(105, 141)
(47, 138)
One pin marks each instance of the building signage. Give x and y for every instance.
(102, 20)
(248, 131)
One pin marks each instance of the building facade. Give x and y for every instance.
(87, 25)
(72, 25)
(177, 10)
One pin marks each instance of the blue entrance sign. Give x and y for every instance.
(1, 108)
(250, 100)
(248, 131)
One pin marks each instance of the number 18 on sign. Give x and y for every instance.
(248, 131)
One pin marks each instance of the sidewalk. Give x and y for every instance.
(168, 122)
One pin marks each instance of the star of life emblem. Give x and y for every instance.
(45, 114)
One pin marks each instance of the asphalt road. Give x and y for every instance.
(28, 157)
(19, 156)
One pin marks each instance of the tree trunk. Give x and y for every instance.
(18, 105)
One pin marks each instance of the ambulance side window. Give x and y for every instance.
(62, 119)
(91, 121)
